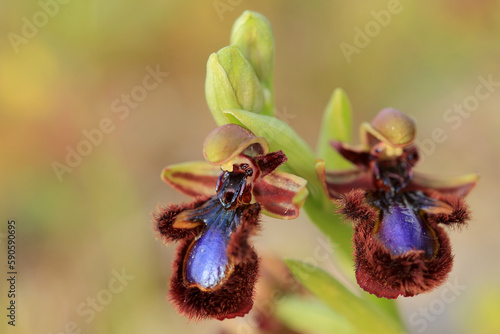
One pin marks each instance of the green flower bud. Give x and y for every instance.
(253, 35)
(231, 83)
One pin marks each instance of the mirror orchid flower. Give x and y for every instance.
(400, 246)
(216, 267)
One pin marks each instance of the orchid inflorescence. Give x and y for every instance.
(254, 167)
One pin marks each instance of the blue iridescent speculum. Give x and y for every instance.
(401, 229)
(400, 247)
(216, 266)
(207, 264)
(401, 226)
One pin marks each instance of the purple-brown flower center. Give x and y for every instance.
(396, 173)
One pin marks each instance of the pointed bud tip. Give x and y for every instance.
(252, 33)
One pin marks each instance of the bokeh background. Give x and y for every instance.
(69, 73)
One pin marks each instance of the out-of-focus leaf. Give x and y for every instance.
(336, 125)
(311, 316)
(362, 315)
(389, 306)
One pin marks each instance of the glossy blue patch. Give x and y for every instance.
(402, 230)
(206, 261)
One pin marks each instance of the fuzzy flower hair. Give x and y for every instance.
(400, 246)
(216, 267)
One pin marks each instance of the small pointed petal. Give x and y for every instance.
(192, 178)
(459, 186)
(357, 156)
(281, 194)
(226, 142)
(338, 183)
(269, 162)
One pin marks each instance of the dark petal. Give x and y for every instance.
(165, 217)
(352, 205)
(359, 157)
(239, 249)
(232, 299)
(269, 162)
(385, 275)
(401, 230)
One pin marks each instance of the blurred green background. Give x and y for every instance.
(63, 72)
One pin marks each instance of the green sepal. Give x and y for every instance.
(195, 178)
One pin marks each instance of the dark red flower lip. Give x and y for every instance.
(230, 297)
(216, 268)
(400, 248)
(233, 298)
(381, 273)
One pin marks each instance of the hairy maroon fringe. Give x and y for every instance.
(239, 249)
(459, 215)
(384, 275)
(353, 207)
(164, 217)
(232, 299)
